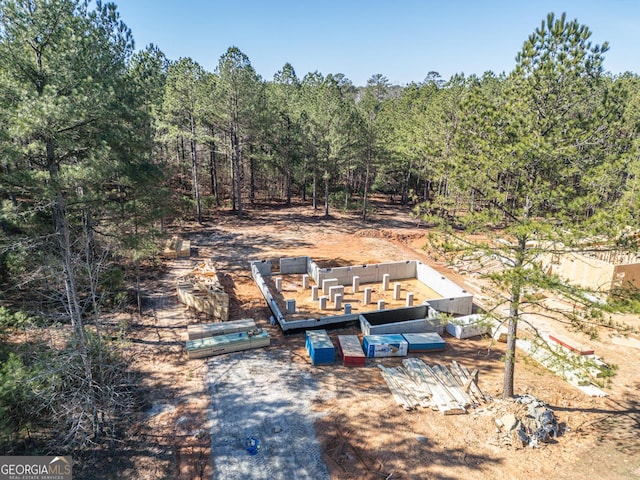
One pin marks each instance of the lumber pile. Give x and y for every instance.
(232, 342)
(177, 248)
(201, 289)
(449, 390)
(204, 330)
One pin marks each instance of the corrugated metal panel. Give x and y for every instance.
(320, 348)
(385, 346)
(423, 342)
(351, 351)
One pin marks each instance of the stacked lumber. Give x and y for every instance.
(320, 348)
(200, 289)
(351, 351)
(177, 248)
(390, 345)
(448, 390)
(232, 342)
(424, 342)
(205, 330)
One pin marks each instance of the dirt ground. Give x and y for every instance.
(361, 431)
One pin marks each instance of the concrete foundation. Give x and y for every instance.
(453, 299)
(305, 281)
(278, 282)
(380, 304)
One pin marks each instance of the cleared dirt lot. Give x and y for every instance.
(361, 432)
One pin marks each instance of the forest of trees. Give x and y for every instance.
(101, 145)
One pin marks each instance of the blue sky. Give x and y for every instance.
(401, 39)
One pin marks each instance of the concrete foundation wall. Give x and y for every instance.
(455, 306)
(256, 268)
(293, 265)
(262, 266)
(419, 319)
(367, 273)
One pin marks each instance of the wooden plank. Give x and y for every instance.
(442, 397)
(571, 345)
(204, 330)
(461, 397)
(474, 385)
(401, 394)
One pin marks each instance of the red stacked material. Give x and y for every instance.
(351, 351)
(574, 347)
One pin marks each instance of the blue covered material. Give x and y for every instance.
(391, 345)
(423, 342)
(320, 348)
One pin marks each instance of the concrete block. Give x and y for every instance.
(291, 306)
(322, 302)
(335, 290)
(367, 296)
(305, 281)
(278, 281)
(327, 283)
(347, 309)
(380, 304)
(338, 301)
(409, 299)
(356, 284)
(397, 288)
(314, 293)
(385, 282)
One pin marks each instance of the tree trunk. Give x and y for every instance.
(237, 167)
(232, 167)
(514, 311)
(366, 187)
(213, 173)
(315, 189)
(252, 177)
(194, 175)
(326, 194)
(61, 226)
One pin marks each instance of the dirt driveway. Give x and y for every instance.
(360, 432)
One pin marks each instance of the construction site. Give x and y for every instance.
(336, 351)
